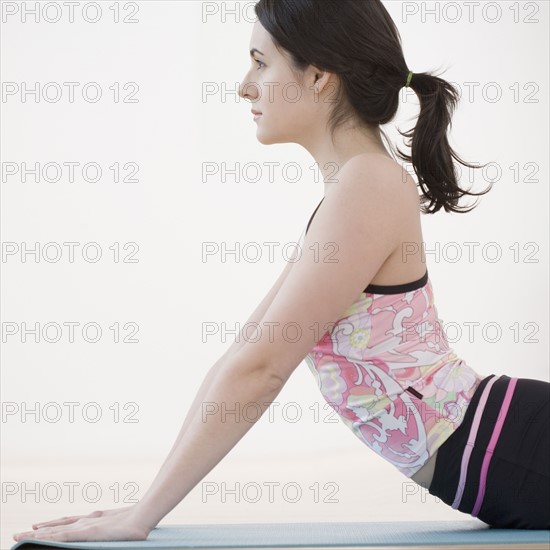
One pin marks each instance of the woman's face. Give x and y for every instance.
(290, 110)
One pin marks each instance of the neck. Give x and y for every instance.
(331, 155)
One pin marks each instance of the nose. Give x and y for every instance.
(248, 89)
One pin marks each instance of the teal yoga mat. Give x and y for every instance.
(322, 535)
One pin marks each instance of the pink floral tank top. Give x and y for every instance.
(387, 370)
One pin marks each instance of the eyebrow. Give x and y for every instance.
(254, 50)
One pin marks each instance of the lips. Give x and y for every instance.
(256, 112)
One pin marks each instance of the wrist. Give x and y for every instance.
(140, 515)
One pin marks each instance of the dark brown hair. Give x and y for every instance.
(359, 41)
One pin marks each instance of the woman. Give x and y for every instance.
(327, 79)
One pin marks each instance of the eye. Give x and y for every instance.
(260, 62)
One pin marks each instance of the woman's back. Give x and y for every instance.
(407, 262)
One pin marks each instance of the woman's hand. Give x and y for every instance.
(108, 525)
(72, 519)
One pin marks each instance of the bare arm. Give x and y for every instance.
(211, 374)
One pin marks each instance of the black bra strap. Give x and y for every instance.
(309, 222)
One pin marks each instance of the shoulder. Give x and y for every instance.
(371, 188)
(353, 232)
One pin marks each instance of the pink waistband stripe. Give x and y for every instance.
(471, 440)
(492, 444)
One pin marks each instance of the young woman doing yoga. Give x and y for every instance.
(381, 359)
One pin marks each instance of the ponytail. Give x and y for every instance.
(431, 155)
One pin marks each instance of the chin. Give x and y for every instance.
(267, 138)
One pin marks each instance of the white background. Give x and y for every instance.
(172, 53)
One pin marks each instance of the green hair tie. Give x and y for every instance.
(409, 78)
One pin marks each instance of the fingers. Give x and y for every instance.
(38, 534)
(63, 534)
(65, 520)
(53, 522)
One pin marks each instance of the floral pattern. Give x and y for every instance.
(363, 364)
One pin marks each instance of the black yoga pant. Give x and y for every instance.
(510, 486)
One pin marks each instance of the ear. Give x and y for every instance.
(321, 80)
